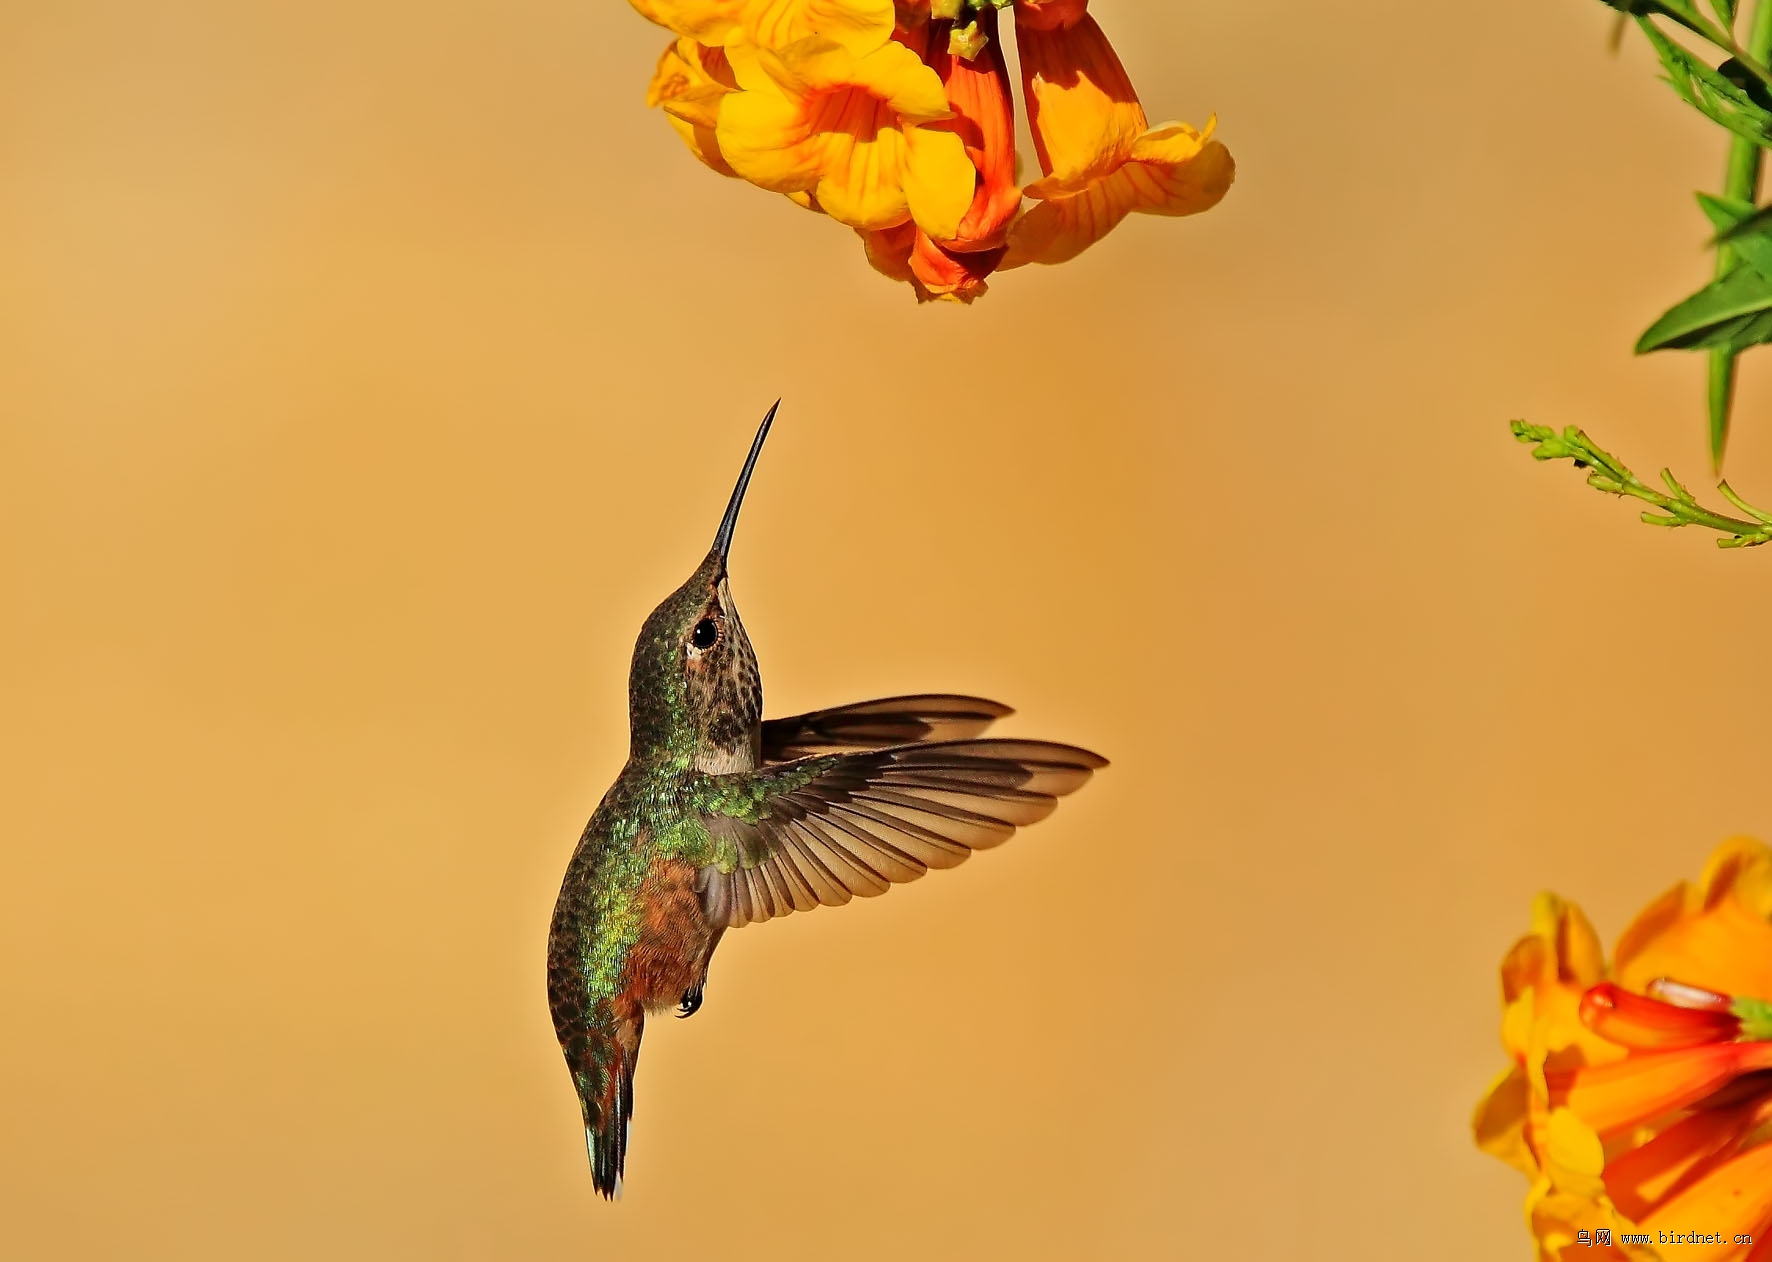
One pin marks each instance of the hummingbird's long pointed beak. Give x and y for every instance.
(729, 523)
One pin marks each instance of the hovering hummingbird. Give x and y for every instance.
(721, 819)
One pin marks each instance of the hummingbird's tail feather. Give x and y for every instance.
(606, 1097)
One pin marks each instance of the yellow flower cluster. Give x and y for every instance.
(1639, 1100)
(896, 118)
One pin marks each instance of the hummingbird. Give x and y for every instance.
(721, 819)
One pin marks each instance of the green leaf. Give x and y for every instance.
(1753, 332)
(1718, 315)
(1748, 225)
(1746, 231)
(1725, 9)
(1743, 231)
(1719, 399)
(1708, 91)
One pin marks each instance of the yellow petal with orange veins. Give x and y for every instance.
(687, 70)
(1082, 110)
(1172, 142)
(891, 73)
(1064, 225)
(690, 83)
(862, 183)
(701, 142)
(889, 250)
(938, 181)
(813, 117)
(699, 107)
(1187, 187)
(709, 21)
(857, 25)
(767, 139)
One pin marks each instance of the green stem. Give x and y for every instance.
(1678, 508)
(1741, 182)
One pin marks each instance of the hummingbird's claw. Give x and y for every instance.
(691, 1003)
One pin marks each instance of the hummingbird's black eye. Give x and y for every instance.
(705, 634)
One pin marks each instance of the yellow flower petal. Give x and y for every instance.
(891, 73)
(1499, 1123)
(815, 118)
(708, 21)
(1573, 1156)
(1557, 1218)
(1065, 224)
(1716, 933)
(863, 184)
(938, 180)
(889, 251)
(1082, 110)
(857, 25)
(690, 83)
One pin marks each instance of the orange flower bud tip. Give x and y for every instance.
(1644, 1024)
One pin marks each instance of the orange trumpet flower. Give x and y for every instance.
(898, 119)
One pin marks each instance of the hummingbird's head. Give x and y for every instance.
(694, 692)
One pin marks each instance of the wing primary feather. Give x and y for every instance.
(901, 867)
(868, 882)
(862, 816)
(827, 887)
(878, 724)
(955, 848)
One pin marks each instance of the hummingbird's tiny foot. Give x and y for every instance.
(691, 1001)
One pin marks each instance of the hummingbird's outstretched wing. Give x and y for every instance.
(878, 724)
(825, 829)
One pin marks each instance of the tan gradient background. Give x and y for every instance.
(368, 371)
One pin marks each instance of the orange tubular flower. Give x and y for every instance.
(984, 119)
(897, 118)
(1641, 1107)
(1652, 1025)
(1101, 159)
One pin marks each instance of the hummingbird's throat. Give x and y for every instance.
(724, 695)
